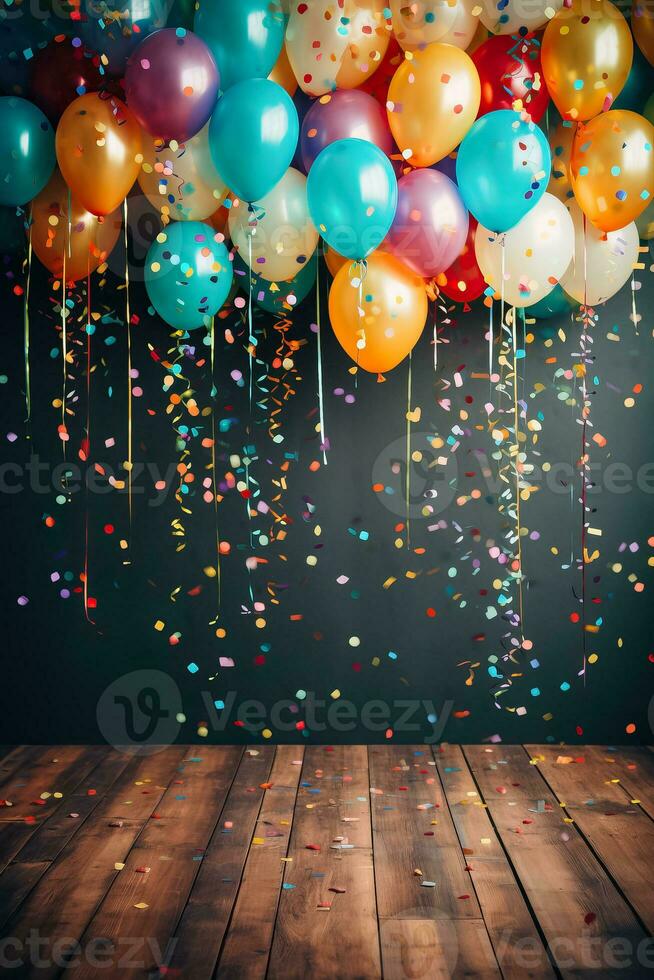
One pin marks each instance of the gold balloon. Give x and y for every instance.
(561, 142)
(180, 178)
(99, 151)
(334, 44)
(586, 56)
(642, 24)
(335, 261)
(282, 73)
(394, 306)
(433, 100)
(85, 247)
(422, 22)
(612, 168)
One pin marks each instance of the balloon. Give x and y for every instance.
(188, 274)
(642, 24)
(394, 304)
(430, 225)
(509, 70)
(352, 197)
(284, 239)
(27, 156)
(333, 260)
(183, 182)
(586, 56)
(99, 151)
(561, 146)
(449, 21)
(463, 280)
(603, 261)
(350, 114)
(335, 45)
(612, 168)
(502, 167)
(61, 72)
(377, 84)
(116, 27)
(433, 100)
(640, 80)
(282, 73)
(171, 83)
(535, 253)
(279, 297)
(253, 135)
(555, 303)
(645, 223)
(481, 35)
(516, 16)
(245, 37)
(88, 243)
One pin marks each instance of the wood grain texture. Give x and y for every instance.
(327, 922)
(437, 948)
(633, 767)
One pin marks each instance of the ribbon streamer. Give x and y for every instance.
(128, 319)
(26, 333)
(407, 488)
(321, 403)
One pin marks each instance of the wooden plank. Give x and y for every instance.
(508, 919)
(413, 832)
(247, 945)
(201, 929)
(59, 771)
(633, 767)
(148, 904)
(49, 838)
(579, 909)
(67, 896)
(619, 832)
(19, 757)
(437, 949)
(341, 940)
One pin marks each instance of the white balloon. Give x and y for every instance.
(603, 261)
(537, 252)
(426, 21)
(531, 14)
(284, 239)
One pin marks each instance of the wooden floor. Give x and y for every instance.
(338, 862)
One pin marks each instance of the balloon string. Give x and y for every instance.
(408, 450)
(88, 438)
(128, 321)
(490, 348)
(26, 334)
(213, 467)
(436, 334)
(64, 351)
(516, 430)
(321, 401)
(634, 311)
(251, 340)
(583, 461)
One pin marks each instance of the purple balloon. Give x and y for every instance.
(430, 225)
(345, 114)
(171, 84)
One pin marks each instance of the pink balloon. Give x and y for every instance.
(430, 225)
(345, 114)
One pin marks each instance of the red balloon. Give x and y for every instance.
(377, 83)
(464, 281)
(509, 68)
(61, 73)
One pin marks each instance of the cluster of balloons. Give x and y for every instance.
(408, 138)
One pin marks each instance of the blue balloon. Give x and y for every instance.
(352, 195)
(27, 151)
(188, 274)
(245, 37)
(252, 136)
(502, 168)
(116, 27)
(555, 303)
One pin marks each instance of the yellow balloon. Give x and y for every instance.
(561, 142)
(180, 178)
(282, 73)
(426, 21)
(586, 56)
(433, 100)
(336, 44)
(612, 168)
(642, 24)
(394, 304)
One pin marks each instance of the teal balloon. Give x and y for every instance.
(253, 136)
(556, 303)
(640, 81)
(244, 36)
(27, 151)
(352, 194)
(503, 167)
(274, 300)
(188, 274)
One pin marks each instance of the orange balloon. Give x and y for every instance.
(394, 304)
(433, 100)
(561, 142)
(99, 151)
(642, 24)
(282, 73)
(335, 261)
(612, 168)
(90, 240)
(586, 56)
